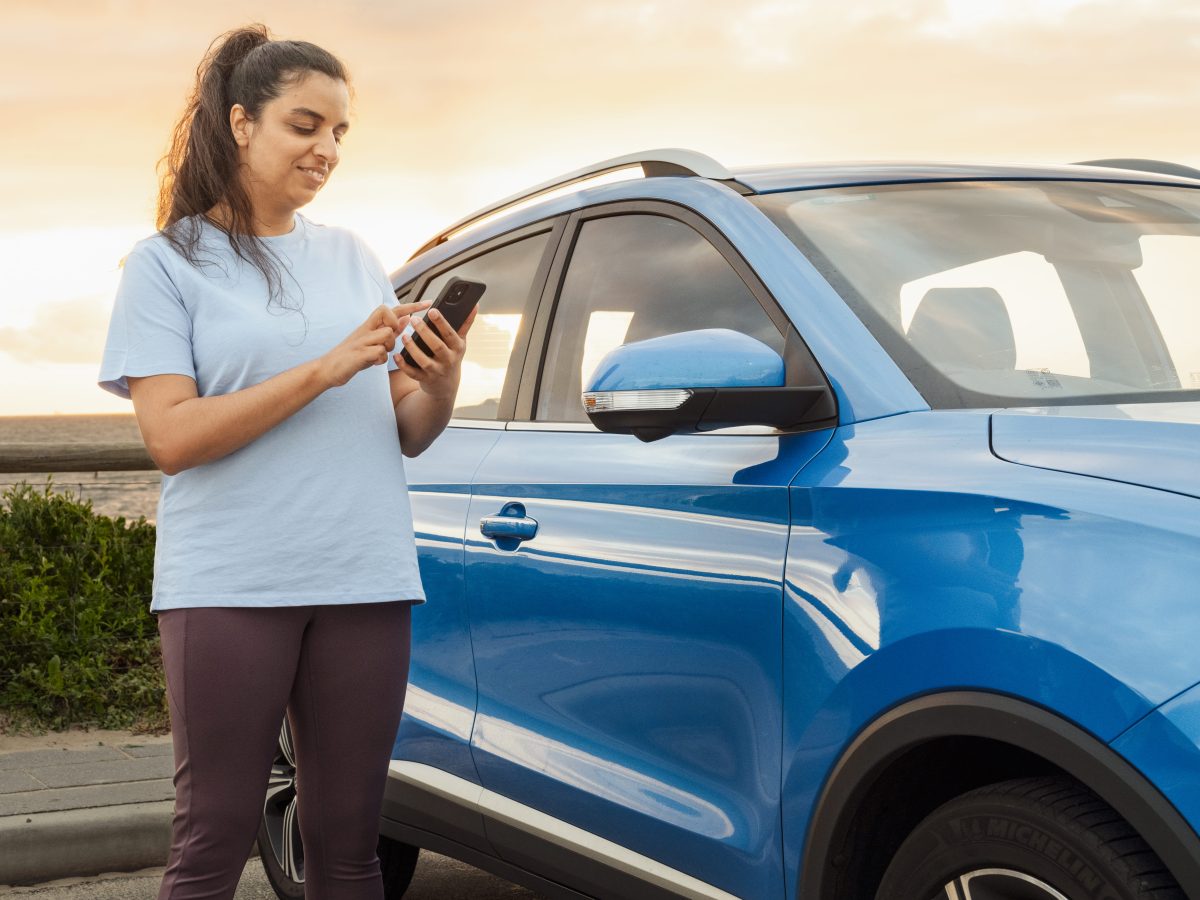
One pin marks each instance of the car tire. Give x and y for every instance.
(280, 847)
(1046, 838)
(397, 861)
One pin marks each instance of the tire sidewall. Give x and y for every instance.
(969, 835)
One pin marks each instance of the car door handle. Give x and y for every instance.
(510, 525)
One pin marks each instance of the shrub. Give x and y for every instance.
(78, 643)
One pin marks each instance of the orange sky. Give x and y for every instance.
(459, 102)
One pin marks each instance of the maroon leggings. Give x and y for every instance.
(340, 672)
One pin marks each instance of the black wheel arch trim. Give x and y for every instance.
(1008, 720)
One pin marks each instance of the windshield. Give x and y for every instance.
(1018, 292)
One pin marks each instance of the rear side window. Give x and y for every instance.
(632, 277)
(508, 272)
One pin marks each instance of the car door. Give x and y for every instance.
(440, 703)
(627, 628)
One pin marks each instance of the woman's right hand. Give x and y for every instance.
(182, 429)
(369, 344)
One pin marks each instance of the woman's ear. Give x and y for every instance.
(239, 124)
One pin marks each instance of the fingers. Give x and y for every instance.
(375, 345)
(379, 316)
(391, 320)
(445, 345)
(466, 325)
(369, 344)
(431, 329)
(407, 309)
(394, 317)
(451, 338)
(416, 373)
(384, 335)
(419, 356)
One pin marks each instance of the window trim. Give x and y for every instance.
(554, 228)
(797, 355)
(739, 430)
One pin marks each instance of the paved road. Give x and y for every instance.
(437, 878)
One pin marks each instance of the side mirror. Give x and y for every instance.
(696, 381)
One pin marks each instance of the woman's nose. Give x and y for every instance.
(327, 148)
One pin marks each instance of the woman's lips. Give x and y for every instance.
(315, 176)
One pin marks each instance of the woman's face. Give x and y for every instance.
(290, 151)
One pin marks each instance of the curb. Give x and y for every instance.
(78, 842)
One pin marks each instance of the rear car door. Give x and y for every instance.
(628, 646)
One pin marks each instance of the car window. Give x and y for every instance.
(508, 272)
(1046, 336)
(633, 277)
(1169, 276)
(1016, 292)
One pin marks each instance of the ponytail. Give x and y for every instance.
(200, 169)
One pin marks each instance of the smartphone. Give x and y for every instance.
(455, 302)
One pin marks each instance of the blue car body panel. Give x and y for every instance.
(1114, 442)
(629, 655)
(1165, 747)
(911, 572)
(439, 708)
(676, 655)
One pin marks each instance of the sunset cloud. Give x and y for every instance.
(460, 102)
(565, 83)
(69, 332)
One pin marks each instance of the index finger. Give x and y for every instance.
(389, 318)
(407, 309)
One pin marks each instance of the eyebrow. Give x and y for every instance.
(305, 111)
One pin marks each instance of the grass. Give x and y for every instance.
(78, 644)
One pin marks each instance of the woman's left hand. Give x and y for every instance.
(438, 371)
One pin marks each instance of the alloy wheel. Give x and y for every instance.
(282, 825)
(998, 884)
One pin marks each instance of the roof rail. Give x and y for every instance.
(1157, 166)
(667, 161)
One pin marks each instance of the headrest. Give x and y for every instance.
(964, 328)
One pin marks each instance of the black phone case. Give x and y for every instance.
(455, 301)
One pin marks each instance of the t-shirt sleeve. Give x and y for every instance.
(379, 274)
(150, 332)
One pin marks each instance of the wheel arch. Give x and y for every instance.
(1006, 737)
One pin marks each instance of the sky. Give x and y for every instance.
(461, 102)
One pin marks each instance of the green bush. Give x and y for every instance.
(78, 643)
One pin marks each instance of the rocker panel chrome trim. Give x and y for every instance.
(551, 830)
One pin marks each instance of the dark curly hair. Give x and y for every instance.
(200, 169)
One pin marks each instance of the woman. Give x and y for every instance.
(252, 343)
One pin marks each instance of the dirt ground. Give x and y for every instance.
(75, 739)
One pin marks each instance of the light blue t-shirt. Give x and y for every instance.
(316, 510)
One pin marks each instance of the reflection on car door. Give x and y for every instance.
(629, 651)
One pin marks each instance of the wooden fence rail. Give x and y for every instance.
(124, 456)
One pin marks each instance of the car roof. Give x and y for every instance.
(748, 180)
(769, 179)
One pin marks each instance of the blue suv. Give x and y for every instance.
(825, 532)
